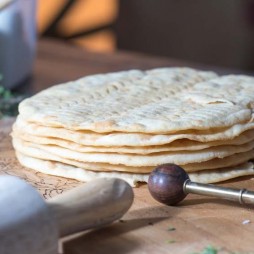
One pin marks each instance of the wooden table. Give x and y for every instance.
(148, 227)
(58, 62)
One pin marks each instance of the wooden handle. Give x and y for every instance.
(94, 204)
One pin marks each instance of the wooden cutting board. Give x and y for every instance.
(149, 227)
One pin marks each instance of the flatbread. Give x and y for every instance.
(234, 88)
(124, 124)
(117, 139)
(64, 170)
(39, 153)
(218, 175)
(180, 158)
(144, 103)
(136, 101)
(178, 145)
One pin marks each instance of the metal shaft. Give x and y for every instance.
(242, 196)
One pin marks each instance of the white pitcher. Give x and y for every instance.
(17, 40)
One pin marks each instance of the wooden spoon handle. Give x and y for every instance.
(94, 204)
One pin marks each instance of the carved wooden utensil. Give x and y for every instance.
(29, 224)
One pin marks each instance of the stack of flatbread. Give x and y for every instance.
(124, 124)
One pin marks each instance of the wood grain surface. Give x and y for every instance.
(48, 186)
(149, 227)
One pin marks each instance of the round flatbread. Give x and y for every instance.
(68, 171)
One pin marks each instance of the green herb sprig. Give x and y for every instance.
(208, 250)
(8, 102)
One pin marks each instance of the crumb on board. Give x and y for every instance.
(170, 241)
(245, 222)
(171, 229)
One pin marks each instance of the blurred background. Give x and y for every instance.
(219, 32)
